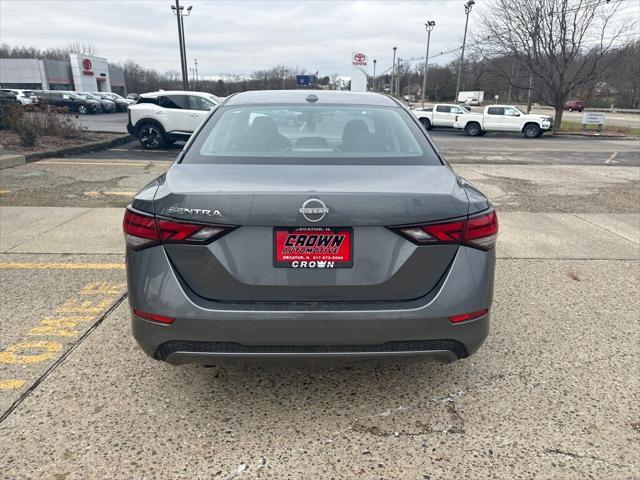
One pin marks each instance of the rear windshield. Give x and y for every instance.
(311, 134)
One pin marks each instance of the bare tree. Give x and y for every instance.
(563, 44)
(82, 48)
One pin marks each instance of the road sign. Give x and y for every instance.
(305, 80)
(593, 118)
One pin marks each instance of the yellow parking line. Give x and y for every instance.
(123, 194)
(60, 266)
(135, 164)
(11, 384)
(2, 192)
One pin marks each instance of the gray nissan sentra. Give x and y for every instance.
(310, 224)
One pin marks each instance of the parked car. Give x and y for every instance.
(439, 115)
(24, 97)
(70, 100)
(573, 105)
(107, 106)
(96, 104)
(347, 237)
(121, 103)
(161, 118)
(504, 118)
(8, 98)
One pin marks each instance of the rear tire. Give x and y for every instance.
(531, 130)
(571, 109)
(426, 123)
(473, 129)
(151, 135)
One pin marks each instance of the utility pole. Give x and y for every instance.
(467, 11)
(393, 71)
(179, 12)
(429, 26)
(530, 92)
(195, 63)
(535, 51)
(398, 79)
(374, 74)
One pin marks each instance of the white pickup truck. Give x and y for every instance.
(440, 115)
(504, 118)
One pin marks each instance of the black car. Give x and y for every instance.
(70, 100)
(8, 98)
(121, 103)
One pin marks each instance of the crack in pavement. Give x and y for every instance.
(557, 451)
(59, 361)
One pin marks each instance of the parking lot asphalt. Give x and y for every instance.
(552, 394)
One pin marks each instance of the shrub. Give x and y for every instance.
(31, 123)
(28, 134)
(9, 115)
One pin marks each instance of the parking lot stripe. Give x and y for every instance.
(123, 194)
(60, 266)
(124, 164)
(11, 384)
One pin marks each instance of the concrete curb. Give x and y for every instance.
(603, 137)
(84, 148)
(8, 160)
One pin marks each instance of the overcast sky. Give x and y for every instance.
(239, 37)
(229, 37)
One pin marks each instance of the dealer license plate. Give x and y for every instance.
(316, 248)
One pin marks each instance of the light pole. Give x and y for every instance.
(374, 74)
(393, 71)
(195, 78)
(429, 26)
(467, 11)
(179, 12)
(398, 79)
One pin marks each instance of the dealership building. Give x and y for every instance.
(82, 73)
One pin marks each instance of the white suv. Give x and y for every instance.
(161, 118)
(24, 97)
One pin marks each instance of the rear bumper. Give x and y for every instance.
(210, 332)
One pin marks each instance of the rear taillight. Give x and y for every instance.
(139, 230)
(479, 232)
(143, 230)
(482, 231)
